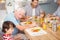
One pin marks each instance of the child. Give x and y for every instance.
(42, 17)
(7, 29)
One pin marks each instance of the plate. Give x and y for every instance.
(35, 29)
(33, 32)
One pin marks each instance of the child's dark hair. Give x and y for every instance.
(6, 25)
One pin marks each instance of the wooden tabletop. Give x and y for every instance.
(49, 36)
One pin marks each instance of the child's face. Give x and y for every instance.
(41, 15)
(10, 30)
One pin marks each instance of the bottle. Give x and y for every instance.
(44, 26)
(58, 26)
(54, 26)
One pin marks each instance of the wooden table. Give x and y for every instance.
(49, 36)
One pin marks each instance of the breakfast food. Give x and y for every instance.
(28, 22)
(35, 30)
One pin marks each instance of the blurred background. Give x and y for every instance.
(8, 6)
